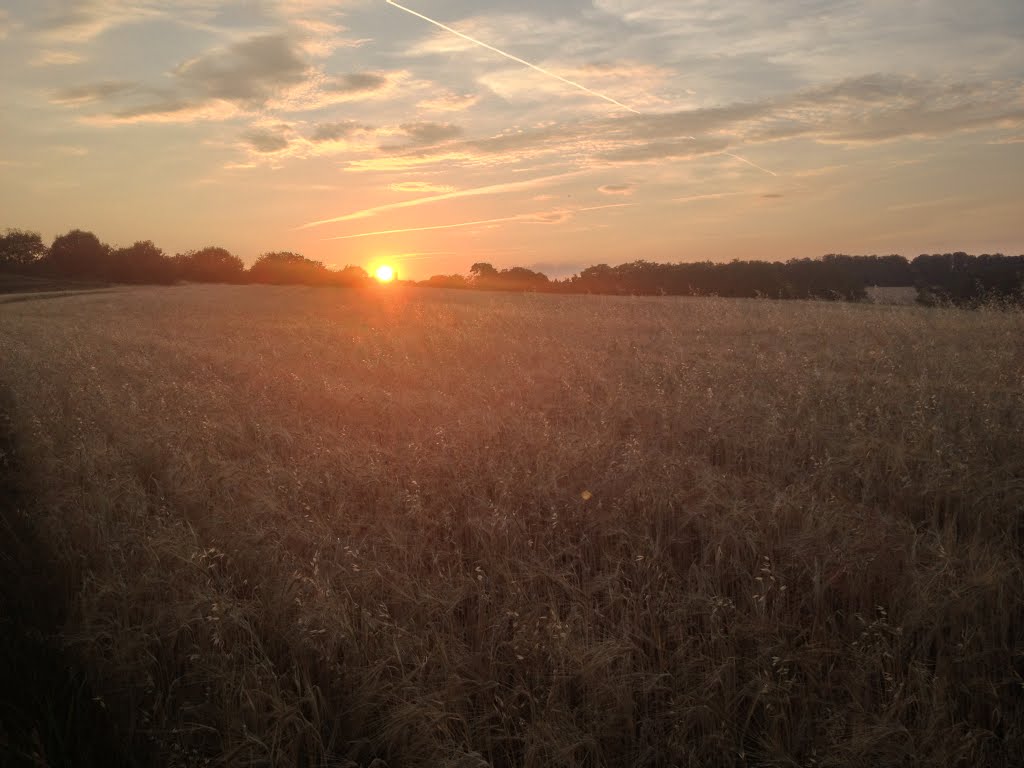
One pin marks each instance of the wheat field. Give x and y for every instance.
(310, 527)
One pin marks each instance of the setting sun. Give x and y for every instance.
(384, 273)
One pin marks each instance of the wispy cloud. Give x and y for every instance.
(557, 216)
(339, 130)
(259, 72)
(419, 255)
(319, 90)
(426, 134)
(84, 94)
(5, 24)
(491, 189)
(51, 58)
(165, 111)
(249, 71)
(85, 20)
(448, 102)
(633, 83)
(267, 140)
(82, 21)
(942, 202)
(858, 111)
(709, 196)
(421, 187)
(751, 163)
(617, 189)
(1008, 140)
(437, 227)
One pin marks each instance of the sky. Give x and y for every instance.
(357, 132)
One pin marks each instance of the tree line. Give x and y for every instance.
(951, 278)
(80, 255)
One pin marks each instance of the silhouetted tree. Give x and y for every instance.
(482, 270)
(210, 265)
(446, 281)
(797, 279)
(892, 271)
(486, 277)
(350, 276)
(20, 250)
(965, 280)
(78, 254)
(519, 279)
(600, 278)
(142, 262)
(287, 268)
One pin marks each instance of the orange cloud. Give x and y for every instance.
(448, 102)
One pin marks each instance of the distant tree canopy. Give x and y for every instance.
(882, 271)
(481, 270)
(447, 281)
(798, 279)
(287, 268)
(350, 275)
(79, 255)
(209, 265)
(483, 276)
(140, 263)
(964, 280)
(951, 278)
(955, 278)
(20, 250)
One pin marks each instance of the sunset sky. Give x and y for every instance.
(355, 132)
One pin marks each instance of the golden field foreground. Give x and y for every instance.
(300, 526)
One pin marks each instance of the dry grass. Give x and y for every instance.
(302, 527)
(898, 296)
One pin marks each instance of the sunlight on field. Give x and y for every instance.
(302, 525)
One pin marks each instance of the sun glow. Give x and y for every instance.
(384, 273)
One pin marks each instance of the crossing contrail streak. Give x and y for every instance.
(534, 218)
(516, 59)
(477, 223)
(549, 73)
(492, 189)
(748, 162)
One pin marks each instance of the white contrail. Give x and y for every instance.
(543, 71)
(492, 189)
(748, 162)
(516, 59)
(424, 229)
(536, 218)
(419, 256)
(711, 196)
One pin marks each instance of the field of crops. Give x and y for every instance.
(304, 527)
